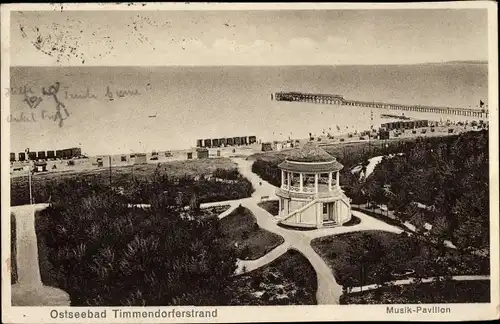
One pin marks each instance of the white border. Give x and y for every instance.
(265, 313)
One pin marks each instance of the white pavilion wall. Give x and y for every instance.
(344, 211)
(307, 216)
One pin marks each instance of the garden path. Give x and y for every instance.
(29, 289)
(329, 291)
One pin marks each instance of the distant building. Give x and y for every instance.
(140, 158)
(41, 155)
(277, 146)
(222, 141)
(236, 140)
(230, 141)
(252, 139)
(199, 143)
(59, 154)
(40, 166)
(22, 156)
(32, 156)
(76, 152)
(244, 140)
(103, 161)
(215, 142)
(267, 147)
(407, 124)
(383, 134)
(202, 153)
(208, 142)
(51, 154)
(12, 157)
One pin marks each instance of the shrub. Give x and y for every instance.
(106, 254)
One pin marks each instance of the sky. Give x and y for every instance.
(258, 37)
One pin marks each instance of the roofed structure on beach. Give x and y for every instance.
(310, 158)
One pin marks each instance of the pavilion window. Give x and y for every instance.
(308, 182)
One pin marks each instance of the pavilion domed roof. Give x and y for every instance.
(310, 159)
(310, 152)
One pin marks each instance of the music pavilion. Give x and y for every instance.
(309, 195)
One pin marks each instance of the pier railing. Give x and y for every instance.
(335, 99)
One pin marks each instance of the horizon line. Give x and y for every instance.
(260, 65)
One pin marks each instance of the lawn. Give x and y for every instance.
(242, 231)
(288, 280)
(271, 206)
(136, 182)
(449, 292)
(173, 169)
(353, 221)
(370, 257)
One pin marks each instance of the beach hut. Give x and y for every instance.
(41, 155)
(202, 153)
(267, 147)
(140, 158)
(40, 166)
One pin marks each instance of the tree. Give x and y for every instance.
(104, 253)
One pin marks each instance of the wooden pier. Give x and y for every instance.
(334, 99)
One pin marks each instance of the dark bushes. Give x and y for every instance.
(137, 190)
(106, 254)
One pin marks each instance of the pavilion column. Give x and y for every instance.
(337, 180)
(316, 182)
(288, 178)
(282, 178)
(301, 182)
(330, 181)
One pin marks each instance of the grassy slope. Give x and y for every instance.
(253, 242)
(288, 280)
(172, 169)
(342, 253)
(271, 206)
(335, 251)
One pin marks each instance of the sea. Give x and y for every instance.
(114, 110)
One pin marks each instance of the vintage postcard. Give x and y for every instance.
(203, 163)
